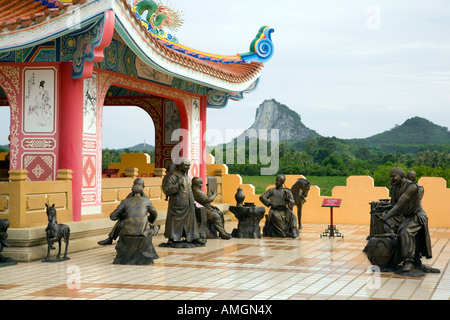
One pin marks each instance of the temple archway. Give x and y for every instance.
(167, 112)
(5, 125)
(125, 127)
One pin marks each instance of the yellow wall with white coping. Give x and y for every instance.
(22, 201)
(142, 161)
(356, 195)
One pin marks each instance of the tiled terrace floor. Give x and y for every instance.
(309, 267)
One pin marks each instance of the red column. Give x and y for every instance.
(202, 169)
(184, 123)
(71, 131)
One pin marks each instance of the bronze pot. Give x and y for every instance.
(380, 249)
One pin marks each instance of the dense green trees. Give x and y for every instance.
(324, 156)
(113, 155)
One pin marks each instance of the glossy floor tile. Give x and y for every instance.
(309, 267)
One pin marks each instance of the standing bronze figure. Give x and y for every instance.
(281, 221)
(405, 222)
(181, 223)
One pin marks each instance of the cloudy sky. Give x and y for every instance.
(350, 68)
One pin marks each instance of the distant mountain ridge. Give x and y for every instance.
(140, 147)
(414, 131)
(271, 114)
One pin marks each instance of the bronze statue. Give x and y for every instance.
(405, 221)
(411, 176)
(136, 215)
(300, 190)
(248, 216)
(169, 169)
(281, 221)
(116, 229)
(5, 261)
(213, 213)
(55, 233)
(181, 223)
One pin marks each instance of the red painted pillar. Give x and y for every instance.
(71, 131)
(184, 124)
(202, 169)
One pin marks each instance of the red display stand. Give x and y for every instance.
(331, 231)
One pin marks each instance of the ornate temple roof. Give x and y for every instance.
(23, 13)
(24, 23)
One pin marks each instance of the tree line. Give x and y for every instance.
(325, 156)
(114, 155)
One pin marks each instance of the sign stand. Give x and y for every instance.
(331, 231)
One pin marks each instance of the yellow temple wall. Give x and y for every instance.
(23, 202)
(141, 161)
(436, 201)
(114, 190)
(356, 196)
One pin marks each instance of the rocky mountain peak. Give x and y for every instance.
(273, 115)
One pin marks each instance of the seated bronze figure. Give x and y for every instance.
(213, 213)
(116, 229)
(281, 221)
(136, 215)
(404, 226)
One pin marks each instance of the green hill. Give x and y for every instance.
(413, 135)
(140, 147)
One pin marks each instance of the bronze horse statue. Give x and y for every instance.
(55, 233)
(300, 191)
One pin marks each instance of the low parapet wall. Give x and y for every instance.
(356, 195)
(22, 202)
(114, 190)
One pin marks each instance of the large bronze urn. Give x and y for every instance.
(380, 249)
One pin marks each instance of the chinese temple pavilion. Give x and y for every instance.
(62, 61)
